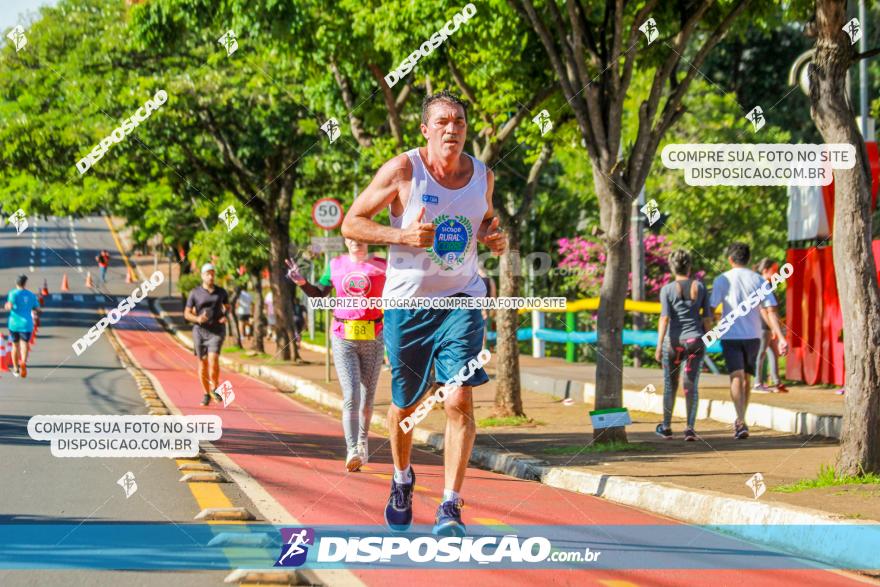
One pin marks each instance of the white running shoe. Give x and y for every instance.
(353, 462)
(364, 452)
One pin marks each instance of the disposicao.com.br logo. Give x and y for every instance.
(403, 551)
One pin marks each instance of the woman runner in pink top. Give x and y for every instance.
(357, 342)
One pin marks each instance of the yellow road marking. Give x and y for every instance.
(209, 495)
(617, 583)
(119, 244)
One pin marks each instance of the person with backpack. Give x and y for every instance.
(103, 260)
(685, 315)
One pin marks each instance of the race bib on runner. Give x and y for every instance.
(360, 330)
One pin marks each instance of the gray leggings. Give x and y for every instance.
(766, 357)
(684, 356)
(358, 363)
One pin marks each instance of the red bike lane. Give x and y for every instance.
(297, 453)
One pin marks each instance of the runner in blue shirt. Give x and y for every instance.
(22, 306)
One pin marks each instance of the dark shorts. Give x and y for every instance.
(741, 354)
(419, 341)
(244, 317)
(205, 341)
(17, 336)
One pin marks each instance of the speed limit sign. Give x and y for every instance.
(327, 213)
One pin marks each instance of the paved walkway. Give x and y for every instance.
(803, 398)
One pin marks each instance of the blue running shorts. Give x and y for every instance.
(419, 340)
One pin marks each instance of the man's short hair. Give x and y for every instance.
(441, 96)
(739, 253)
(21, 280)
(680, 261)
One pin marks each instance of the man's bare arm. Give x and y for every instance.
(489, 233)
(359, 224)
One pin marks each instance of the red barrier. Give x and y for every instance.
(794, 314)
(814, 319)
(832, 326)
(812, 310)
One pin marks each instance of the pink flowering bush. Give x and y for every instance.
(584, 260)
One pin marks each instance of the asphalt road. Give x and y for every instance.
(37, 487)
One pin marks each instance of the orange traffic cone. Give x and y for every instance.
(89, 283)
(64, 285)
(45, 291)
(129, 276)
(4, 358)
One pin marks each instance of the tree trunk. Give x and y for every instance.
(234, 326)
(615, 205)
(259, 314)
(853, 260)
(508, 399)
(282, 290)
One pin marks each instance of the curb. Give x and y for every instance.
(750, 519)
(763, 415)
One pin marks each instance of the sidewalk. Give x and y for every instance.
(555, 445)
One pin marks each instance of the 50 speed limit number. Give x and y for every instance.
(327, 213)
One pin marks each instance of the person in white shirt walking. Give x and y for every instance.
(740, 343)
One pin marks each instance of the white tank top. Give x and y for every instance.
(449, 267)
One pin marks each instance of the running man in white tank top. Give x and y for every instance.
(440, 203)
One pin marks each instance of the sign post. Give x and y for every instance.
(327, 214)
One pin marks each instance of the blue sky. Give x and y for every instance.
(15, 11)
